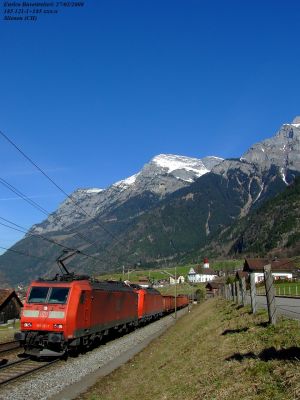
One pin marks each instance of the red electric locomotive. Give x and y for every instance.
(72, 313)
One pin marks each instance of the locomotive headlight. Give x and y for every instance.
(58, 326)
(27, 324)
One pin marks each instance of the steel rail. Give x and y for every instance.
(9, 364)
(17, 374)
(6, 346)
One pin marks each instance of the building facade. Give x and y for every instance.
(10, 305)
(202, 274)
(281, 268)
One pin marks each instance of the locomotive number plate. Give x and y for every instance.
(43, 314)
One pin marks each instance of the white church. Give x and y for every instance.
(202, 274)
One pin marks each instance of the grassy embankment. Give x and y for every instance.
(215, 352)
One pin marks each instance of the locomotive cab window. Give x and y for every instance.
(58, 295)
(38, 294)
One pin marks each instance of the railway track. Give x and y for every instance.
(8, 346)
(19, 368)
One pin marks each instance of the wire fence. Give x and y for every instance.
(289, 290)
(285, 307)
(282, 297)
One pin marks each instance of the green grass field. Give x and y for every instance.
(282, 289)
(183, 288)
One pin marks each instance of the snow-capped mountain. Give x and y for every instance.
(164, 174)
(282, 150)
(172, 207)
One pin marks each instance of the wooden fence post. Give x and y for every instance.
(270, 294)
(227, 292)
(237, 292)
(243, 290)
(253, 293)
(233, 292)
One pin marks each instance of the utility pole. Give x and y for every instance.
(123, 273)
(175, 292)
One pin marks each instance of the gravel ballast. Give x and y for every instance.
(67, 379)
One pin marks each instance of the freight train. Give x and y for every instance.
(73, 313)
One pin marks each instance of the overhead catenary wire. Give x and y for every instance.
(92, 219)
(23, 196)
(23, 230)
(59, 188)
(44, 211)
(23, 254)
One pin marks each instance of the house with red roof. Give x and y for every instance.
(281, 268)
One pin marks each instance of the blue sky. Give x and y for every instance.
(92, 94)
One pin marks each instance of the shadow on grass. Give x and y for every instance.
(264, 324)
(292, 353)
(231, 331)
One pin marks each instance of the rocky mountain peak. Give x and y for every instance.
(185, 168)
(164, 174)
(281, 150)
(173, 162)
(181, 167)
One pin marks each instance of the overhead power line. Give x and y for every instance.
(22, 253)
(21, 229)
(23, 196)
(59, 188)
(44, 211)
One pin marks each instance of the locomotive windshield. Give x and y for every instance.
(38, 294)
(54, 295)
(58, 295)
